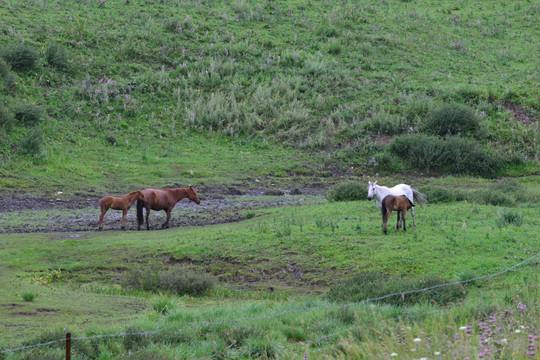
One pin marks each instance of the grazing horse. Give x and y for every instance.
(380, 192)
(118, 203)
(398, 203)
(163, 199)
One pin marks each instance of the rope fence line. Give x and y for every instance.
(276, 315)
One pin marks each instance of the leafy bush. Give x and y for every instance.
(29, 114)
(20, 57)
(509, 217)
(33, 143)
(370, 285)
(56, 56)
(449, 155)
(451, 119)
(163, 305)
(348, 191)
(6, 118)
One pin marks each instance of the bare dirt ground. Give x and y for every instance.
(60, 213)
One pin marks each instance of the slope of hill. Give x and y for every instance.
(178, 89)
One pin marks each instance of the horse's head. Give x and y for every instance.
(371, 190)
(140, 195)
(192, 195)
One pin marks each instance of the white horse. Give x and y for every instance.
(380, 192)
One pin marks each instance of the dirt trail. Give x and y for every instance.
(80, 212)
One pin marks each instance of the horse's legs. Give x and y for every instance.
(413, 219)
(403, 218)
(124, 214)
(147, 214)
(168, 211)
(385, 220)
(398, 225)
(103, 211)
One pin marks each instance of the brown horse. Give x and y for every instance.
(399, 203)
(163, 199)
(118, 203)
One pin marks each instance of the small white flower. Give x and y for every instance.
(462, 328)
(517, 331)
(436, 353)
(394, 354)
(504, 340)
(423, 358)
(417, 340)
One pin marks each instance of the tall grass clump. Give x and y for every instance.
(438, 194)
(347, 191)
(176, 280)
(29, 114)
(385, 123)
(20, 57)
(451, 119)
(7, 120)
(56, 56)
(33, 144)
(509, 217)
(370, 285)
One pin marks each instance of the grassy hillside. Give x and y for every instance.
(136, 87)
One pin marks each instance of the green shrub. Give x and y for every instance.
(509, 217)
(28, 296)
(185, 282)
(56, 56)
(6, 118)
(370, 285)
(451, 119)
(163, 305)
(347, 191)
(20, 57)
(33, 143)
(29, 114)
(448, 155)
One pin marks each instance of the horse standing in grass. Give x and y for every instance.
(398, 203)
(163, 199)
(118, 203)
(380, 192)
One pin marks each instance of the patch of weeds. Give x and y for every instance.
(56, 56)
(250, 215)
(163, 305)
(28, 296)
(509, 217)
(29, 114)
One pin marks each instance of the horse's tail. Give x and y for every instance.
(419, 197)
(140, 218)
(383, 208)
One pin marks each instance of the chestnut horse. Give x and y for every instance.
(398, 203)
(163, 199)
(118, 203)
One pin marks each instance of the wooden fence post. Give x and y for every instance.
(68, 346)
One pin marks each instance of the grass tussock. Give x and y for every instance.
(348, 191)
